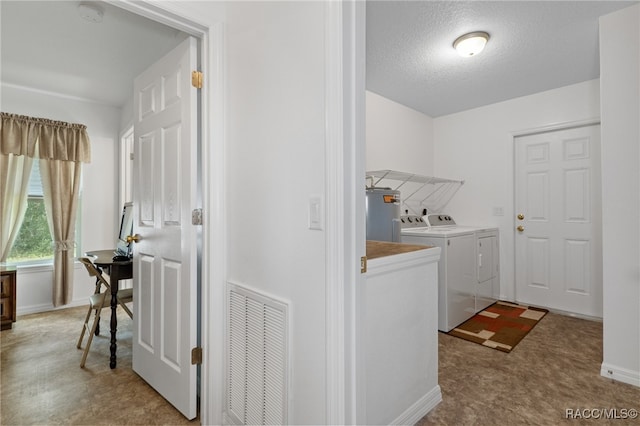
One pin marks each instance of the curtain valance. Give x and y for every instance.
(55, 140)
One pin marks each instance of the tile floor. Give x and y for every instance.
(555, 368)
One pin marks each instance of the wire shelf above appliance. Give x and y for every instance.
(417, 192)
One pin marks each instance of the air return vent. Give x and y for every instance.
(257, 360)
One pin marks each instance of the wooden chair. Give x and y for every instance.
(98, 301)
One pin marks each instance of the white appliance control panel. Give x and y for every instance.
(428, 221)
(412, 221)
(439, 220)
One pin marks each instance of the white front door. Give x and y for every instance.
(165, 257)
(558, 225)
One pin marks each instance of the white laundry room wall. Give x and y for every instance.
(477, 146)
(99, 213)
(398, 137)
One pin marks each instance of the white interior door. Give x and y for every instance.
(558, 220)
(165, 274)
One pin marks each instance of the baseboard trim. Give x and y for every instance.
(620, 374)
(560, 311)
(420, 408)
(46, 307)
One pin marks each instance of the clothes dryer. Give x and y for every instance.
(460, 270)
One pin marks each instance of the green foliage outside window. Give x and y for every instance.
(34, 239)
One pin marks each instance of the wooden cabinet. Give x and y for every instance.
(7, 296)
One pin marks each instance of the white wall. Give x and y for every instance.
(275, 144)
(275, 150)
(620, 88)
(99, 213)
(398, 137)
(477, 146)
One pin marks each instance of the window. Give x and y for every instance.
(33, 243)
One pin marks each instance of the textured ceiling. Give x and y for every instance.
(534, 46)
(47, 46)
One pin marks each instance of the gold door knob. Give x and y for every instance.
(520, 228)
(133, 238)
(520, 216)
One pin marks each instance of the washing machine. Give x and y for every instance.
(468, 278)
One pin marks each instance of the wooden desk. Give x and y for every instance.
(117, 271)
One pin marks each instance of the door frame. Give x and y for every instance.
(124, 162)
(212, 183)
(566, 125)
(344, 183)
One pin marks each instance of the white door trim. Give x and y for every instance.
(211, 38)
(553, 127)
(354, 152)
(334, 223)
(214, 232)
(344, 171)
(124, 165)
(511, 290)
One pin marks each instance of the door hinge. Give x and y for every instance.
(196, 79)
(196, 217)
(196, 356)
(363, 265)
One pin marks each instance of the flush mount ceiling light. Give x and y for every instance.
(90, 12)
(471, 44)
